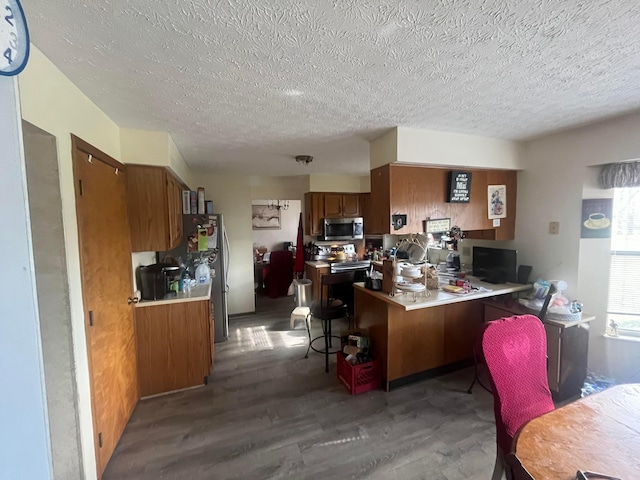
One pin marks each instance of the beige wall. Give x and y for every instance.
(384, 149)
(288, 231)
(555, 179)
(335, 183)
(52, 103)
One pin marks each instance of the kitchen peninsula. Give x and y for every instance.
(429, 336)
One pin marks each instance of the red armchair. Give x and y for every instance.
(280, 273)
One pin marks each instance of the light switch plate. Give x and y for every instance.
(554, 228)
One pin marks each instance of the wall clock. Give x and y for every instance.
(14, 38)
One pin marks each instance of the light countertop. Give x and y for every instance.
(438, 297)
(198, 293)
(317, 263)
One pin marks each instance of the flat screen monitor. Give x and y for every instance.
(495, 265)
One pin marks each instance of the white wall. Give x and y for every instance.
(555, 179)
(25, 451)
(288, 232)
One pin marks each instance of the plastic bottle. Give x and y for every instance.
(202, 272)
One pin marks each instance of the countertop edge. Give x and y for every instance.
(448, 298)
(199, 297)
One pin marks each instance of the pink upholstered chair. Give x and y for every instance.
(515, 353)
(280, 273)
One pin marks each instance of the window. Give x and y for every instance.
(624, 280)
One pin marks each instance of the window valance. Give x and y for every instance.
(620, 175)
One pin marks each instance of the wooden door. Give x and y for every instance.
(332, 205)
(105, 266)
(351, 205)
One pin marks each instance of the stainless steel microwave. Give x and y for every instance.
(342, 228)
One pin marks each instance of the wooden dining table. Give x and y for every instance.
(599, 433)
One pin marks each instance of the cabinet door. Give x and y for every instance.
(173, 343)
(174, 211)
(147, 206)
(351, 205)
(332, 205)
(314, 206)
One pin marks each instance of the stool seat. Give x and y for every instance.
(299, 313)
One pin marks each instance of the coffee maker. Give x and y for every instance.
(155, 280)
(453, 261)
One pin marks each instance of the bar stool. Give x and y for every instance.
(331, 306)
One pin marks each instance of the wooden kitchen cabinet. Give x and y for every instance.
(315, 275)
(338, 205)
(154, 200)
(314, 210)
(174, 346)
(421, 192)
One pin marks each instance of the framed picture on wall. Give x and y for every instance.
(596, 218)
(497, 201)
(265, 218)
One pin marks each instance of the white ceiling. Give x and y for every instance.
(244, 86)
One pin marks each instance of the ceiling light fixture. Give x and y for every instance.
(275, 204)
(304, 159)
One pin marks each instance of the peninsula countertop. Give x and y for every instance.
(198, 293)
(438, 297)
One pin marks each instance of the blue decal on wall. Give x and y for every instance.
(14, 38)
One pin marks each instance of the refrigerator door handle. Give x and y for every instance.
(227, 258)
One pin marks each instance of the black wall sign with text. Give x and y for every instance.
(459, 187)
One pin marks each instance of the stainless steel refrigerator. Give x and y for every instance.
(218, 251)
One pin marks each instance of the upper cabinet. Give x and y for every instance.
(421, 193)
(155, 208)
(341, 205)
(319, 205)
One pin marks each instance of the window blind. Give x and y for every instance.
(624, 283)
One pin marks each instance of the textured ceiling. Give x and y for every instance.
(245, 85)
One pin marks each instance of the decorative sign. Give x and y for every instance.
(437, 225)
(398, 221)
(459, 187)
(497, 198)
(14, 38)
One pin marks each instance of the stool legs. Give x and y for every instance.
(327, 343)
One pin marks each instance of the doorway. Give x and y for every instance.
(275, 228)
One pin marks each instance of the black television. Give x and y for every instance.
(495, 265)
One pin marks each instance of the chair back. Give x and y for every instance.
(545, 304)
(336, 293)
(515, 353)
(280, 274)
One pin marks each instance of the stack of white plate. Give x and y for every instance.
(411, 287)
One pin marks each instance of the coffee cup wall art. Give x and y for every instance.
(596, 218)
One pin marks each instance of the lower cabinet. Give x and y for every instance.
(315, 275)
(174, 346)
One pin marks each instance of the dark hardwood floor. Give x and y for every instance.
(270, 413)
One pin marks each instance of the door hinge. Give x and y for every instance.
(80, 188)
(100, 439)
(91, 318)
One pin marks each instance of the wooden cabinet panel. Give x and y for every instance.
(332, 205)
(421, 192)
(338, 205)
(461, 328)
(379, 201)
(154, 201)
(351, 205)
(174, 350)
(315, 275)
(314, 208)
(415, 341)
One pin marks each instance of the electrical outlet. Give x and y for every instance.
(466, 251)
(554, 228)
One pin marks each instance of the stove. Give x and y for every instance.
(345, 266)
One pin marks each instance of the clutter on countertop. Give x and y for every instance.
(560, 307)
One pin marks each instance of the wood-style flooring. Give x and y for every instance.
(268, 412)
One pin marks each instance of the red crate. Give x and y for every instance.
(358, 378)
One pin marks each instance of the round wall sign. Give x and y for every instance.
(14, 38)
